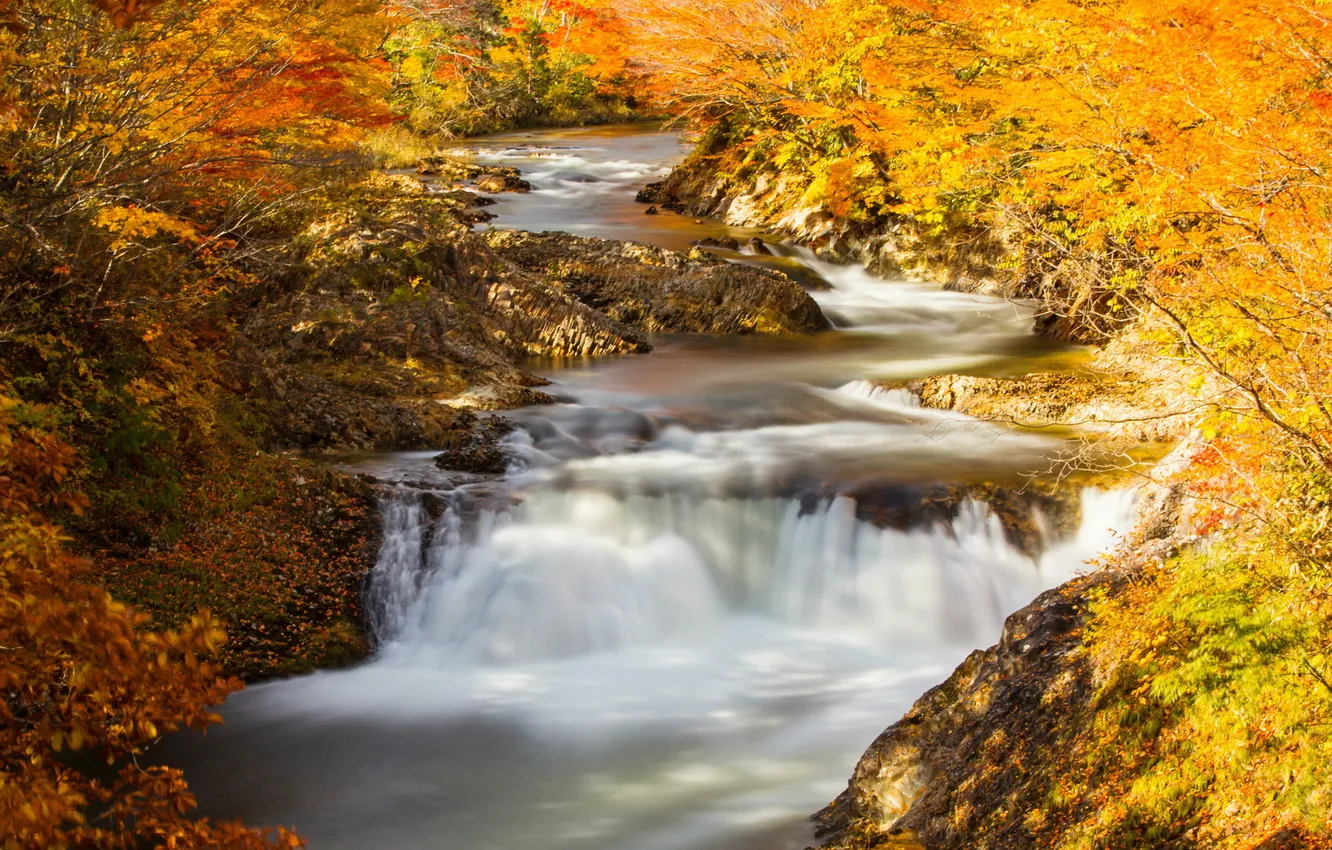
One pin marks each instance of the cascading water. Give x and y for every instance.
(572, 572)
(709, 579)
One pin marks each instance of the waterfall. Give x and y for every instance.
(667, 626)
(892, 397)
(393, 582)
(572, 572)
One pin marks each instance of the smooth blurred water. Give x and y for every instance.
(669, 626)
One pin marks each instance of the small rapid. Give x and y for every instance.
(710, 576)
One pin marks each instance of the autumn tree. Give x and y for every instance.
(467, 66)
(157, 136)
(148, 152)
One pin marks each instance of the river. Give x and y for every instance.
(672, 626)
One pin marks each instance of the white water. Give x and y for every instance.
(568, 573)
(673, 625)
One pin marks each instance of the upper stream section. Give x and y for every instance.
(584, 182)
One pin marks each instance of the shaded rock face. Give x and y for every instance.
(662, 291)
(1032, 518)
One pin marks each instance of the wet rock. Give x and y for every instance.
(474, 217)
(759, 247)
(652, 193)
(726, 242)
(811, 280)
(938, 774)
(650, 211)
(487, 178)
(1033, 516)
(477, 451)
(502, 181)
(663, 291)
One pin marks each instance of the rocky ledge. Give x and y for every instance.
(965, 760)
(662, 291)
(397, 320)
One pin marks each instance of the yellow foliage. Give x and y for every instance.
(130, 225)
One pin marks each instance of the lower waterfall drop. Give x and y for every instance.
(570, 572)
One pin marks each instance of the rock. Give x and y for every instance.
(488, 178)
(658, 195)
(802, 274)
(1125, 403)
(726, 242)
(662, 291)
(478, 452)
(398, 322)
(758, 247)
(650, 211)
(502, 181)
(651, 193)
(937, 773)
(500, 397)
(475, 217)
(1016, 508)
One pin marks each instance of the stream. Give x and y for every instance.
(675, 623)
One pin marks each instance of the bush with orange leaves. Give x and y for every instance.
(84, 687)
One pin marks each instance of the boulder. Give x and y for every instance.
(478, 451)
(498, 181)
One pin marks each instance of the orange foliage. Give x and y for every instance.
(83, 682)
(1179, 151)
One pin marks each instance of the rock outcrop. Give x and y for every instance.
(662, 291)
(491, 179)
(977, 259)
(1120, 400)
(396, 319)
(966, 758)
